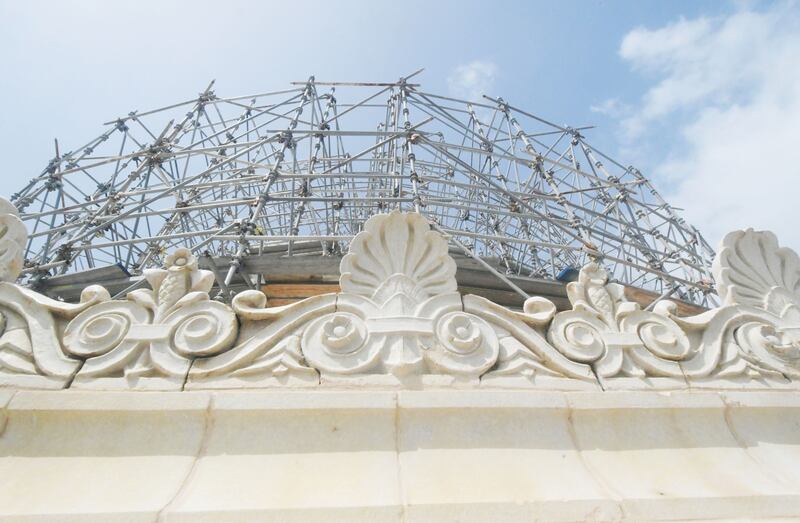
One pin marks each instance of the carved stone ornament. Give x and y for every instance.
(13, 237)
(399, 314)
(400, 321)
(154, 333)
(759, 285)
(612, 334)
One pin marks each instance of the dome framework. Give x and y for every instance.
(302, 169)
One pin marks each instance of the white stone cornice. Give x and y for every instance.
(399, 456)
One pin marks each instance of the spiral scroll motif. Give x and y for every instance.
(101, 328)
(337, 343)
(203, 329)
(467, 344)
(578, 336)
(770, 347)
(661, 336)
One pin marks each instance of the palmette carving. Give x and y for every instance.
(398, 312)
(759, 284)
(751, 269)
(399, 315)
(398, 253)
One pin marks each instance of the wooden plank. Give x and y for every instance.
(645, 298)
(277, 263)
(295, 290)
(332, 279)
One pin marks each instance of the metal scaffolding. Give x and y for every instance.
(231, 177)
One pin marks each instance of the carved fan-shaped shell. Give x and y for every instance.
(13, 237)
(752, 269)
(398, 246)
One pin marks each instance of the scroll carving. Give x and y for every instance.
(157, 332)
(398, 320)
(614, 335)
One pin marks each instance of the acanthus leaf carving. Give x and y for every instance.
(285, 364)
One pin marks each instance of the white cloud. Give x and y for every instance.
(732, 84)
(471, 81)
(612, 107)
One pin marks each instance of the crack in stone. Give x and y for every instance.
(604, 487)
(401, 490)
(764, 467)
(208, 426)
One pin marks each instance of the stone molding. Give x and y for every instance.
(400, 322)
(408, 456)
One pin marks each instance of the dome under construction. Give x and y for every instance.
(268, 190)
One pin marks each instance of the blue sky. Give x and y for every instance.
(703, 97)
